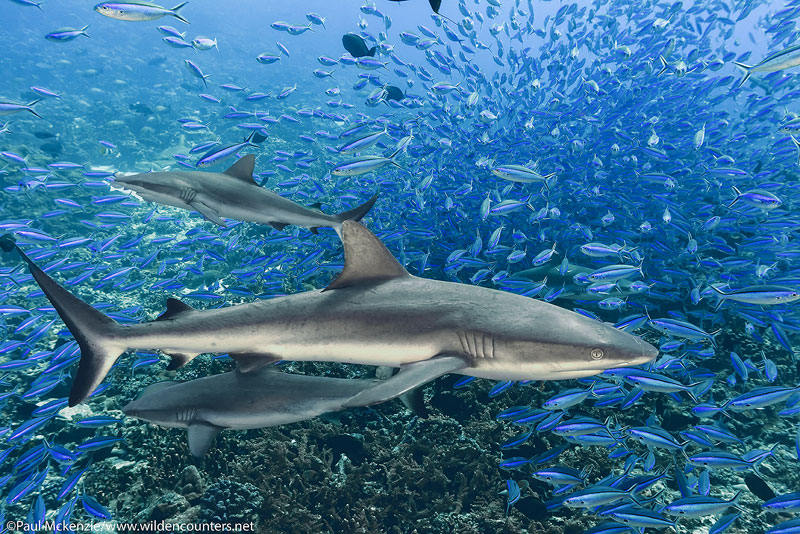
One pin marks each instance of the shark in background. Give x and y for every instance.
(238, 401)
(232, 194)
(374, 313)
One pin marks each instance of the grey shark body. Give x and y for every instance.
(232, 194)
(240, 401)
(374, 313)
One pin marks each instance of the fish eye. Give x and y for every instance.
(596, 354)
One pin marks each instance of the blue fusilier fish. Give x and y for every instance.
(233, 194)
(66, 34)
(9, 108)
(373, 313)
(765, 295)
(784, 59)
(138, 11)
(238, 401)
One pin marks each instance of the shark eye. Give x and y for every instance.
(596, 354)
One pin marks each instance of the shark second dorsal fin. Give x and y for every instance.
(243, 168)
(366, 259)
(174, 308)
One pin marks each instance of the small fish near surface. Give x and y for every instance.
(232, 194)
(238, 401)
(373, 313)
(138, 11)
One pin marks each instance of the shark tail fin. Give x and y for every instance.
(174, 12)
(93, 330)
(357, 213)
(371, 51)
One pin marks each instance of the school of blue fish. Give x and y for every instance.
(633, 162)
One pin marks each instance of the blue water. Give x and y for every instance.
(635, 110)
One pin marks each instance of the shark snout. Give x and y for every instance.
(641, 351)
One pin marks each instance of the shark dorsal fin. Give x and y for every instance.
(174, 308)
(366, 259)
(243, 168)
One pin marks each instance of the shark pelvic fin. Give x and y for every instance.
(178, 360)
(175, 308)
(200, 437)
(252, 361)
(412, 375)
(366, 259)
(278, 226)
(243, 169)
(207, 212)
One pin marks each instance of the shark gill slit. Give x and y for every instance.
(478, 345)
(188, 194)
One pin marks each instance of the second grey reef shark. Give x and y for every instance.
(239, 401)
(232, 194)
(373, 313)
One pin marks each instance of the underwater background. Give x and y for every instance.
(647, 151)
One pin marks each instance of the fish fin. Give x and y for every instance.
(243, 168)
(314, 230)
(411, 376)
(179, 359)
(748, 70)
(316, 206)
(174, 12)
(200, 436)
(248, 362)
(414, 400)
(93, 330)
(158, 386)
(278, 226)
(371, 52)
(174, 309)
(357, 213)
(366, 259)
(208, 213)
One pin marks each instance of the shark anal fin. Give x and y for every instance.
(174, 309)
(278, 226)
(243, 169)
(178, 360)
(207, 212)
(252, 361)
(412, 375)
(316, 206)
(366, 259)
(200, 437)
(314, 230)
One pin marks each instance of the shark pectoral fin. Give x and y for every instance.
(366, 259)
(243, 169)
(278, 226)
(209, 213)
(178, 360)
(174, 309)
(252, 361)
(412, 375)
(200, 437)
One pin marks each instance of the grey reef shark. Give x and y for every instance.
(373, 313)
(232, 194)
(238, 401)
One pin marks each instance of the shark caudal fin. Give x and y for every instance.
(357, 213)
(92, 329)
